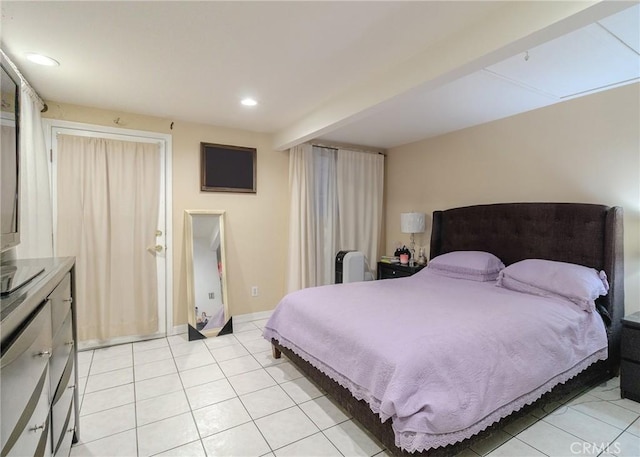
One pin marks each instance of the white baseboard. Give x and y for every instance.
(89, 345)
(178, 329)
(240, 318)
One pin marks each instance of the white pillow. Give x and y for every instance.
(473, 265)
(580, 284)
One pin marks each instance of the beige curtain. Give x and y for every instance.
(360, 180)
(36, 220)
(326, 214)
(9, 178)
(301, 269)
(336, 204)
(107, 201)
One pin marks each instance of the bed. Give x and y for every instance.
(582, 234)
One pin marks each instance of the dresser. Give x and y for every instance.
(39, 398)
(630, 363)
(396, 270)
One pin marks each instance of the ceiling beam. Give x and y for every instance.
(514, 28)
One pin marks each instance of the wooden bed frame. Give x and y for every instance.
(584, 234)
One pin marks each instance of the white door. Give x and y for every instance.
(116, 307)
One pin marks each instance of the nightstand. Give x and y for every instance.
(396, 270)
(630, 363)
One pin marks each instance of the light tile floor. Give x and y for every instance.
(227, 396)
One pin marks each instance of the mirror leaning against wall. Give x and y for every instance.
(207, 302)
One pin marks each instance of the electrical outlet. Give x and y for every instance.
(254, 291)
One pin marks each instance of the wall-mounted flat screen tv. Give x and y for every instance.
(226, 168)
(9, 157)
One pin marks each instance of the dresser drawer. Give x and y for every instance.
(60, 411)
(62, 349)
(66, 382)
(60, 300)
(631, 343)
(388, 274)
(394, 270)
(24, 377)
(35, 439)
(69, 427)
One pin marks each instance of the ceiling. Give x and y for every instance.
(379, 74)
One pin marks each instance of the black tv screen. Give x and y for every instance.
(227, 168)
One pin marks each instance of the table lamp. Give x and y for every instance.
(412, 223)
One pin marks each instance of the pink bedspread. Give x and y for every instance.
(443, 358)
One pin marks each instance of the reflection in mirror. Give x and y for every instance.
(208, 309)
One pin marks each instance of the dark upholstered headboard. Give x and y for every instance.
(584, 234)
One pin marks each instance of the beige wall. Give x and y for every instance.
(256, 224)
(584, 150)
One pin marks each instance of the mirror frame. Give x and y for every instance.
(188, 242)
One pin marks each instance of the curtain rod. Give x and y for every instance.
(26, 83)
(351, 148)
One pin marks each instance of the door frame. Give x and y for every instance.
(52, 126)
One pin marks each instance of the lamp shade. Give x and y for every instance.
(412, 222)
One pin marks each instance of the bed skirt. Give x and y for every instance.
(383, 431)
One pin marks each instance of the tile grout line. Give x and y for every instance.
(515, 437)
(135, 428)
(238, 396)
(296, 404)
(573, 434)
(86, 382)
(91, 360)
(322, 432)
(184, 391)
(605, 422)
(226, 377)
(108, 409)
(135, 402)
(567, 406)
(530, 445)
(242, 403)
(190, 407)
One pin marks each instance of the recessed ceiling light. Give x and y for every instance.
(249, 102)
(42, 60)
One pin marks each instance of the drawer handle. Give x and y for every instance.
(71, 430)
(45, 353)
(71, 387)
(35, 428)
(69, 343)
(68, 300)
